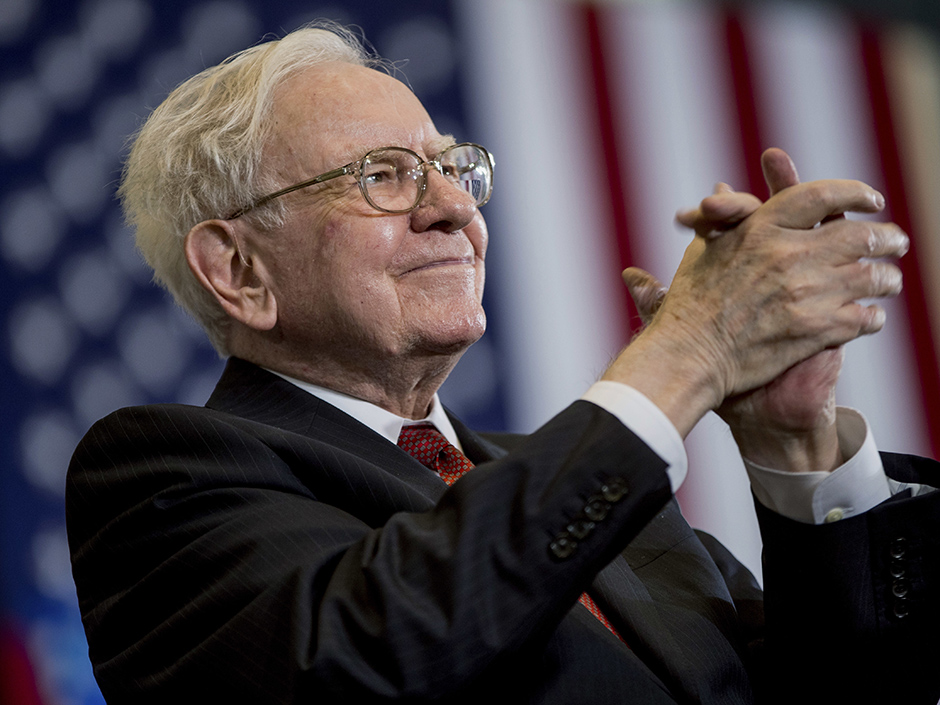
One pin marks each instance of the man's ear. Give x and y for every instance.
(227, 272)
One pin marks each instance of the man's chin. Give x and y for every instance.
(454, 339)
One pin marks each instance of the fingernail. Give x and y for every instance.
(904, 245)
(896, 281)
(879, 200)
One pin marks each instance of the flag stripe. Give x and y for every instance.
(749, 124)
(610, 152)
(899, 211)
(912, 68)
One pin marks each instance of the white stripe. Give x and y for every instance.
(679, 132)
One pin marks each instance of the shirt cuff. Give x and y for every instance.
(646, 421)
(822, 497)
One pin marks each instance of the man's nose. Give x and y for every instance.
(445, 206)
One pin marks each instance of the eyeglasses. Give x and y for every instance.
(394, 179)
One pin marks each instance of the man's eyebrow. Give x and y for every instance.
(439, 144)
(436, 145)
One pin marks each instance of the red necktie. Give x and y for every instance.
(428, 446)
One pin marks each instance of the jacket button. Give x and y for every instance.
(614, 489)
(596, 509)
(563, 546)
(580, 528)
(900, 587)
(898, 547)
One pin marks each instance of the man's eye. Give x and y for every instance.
(380, 174)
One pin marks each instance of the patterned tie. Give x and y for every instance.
(428, 446)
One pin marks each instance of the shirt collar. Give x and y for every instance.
(382, 421)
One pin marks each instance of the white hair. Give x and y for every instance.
(198, 155)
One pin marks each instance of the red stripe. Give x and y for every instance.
(609, 153)
(749, 124)
(17, 680)
(898, 210)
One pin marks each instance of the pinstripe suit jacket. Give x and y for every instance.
(270, 549)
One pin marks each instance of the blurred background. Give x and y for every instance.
(631, 110)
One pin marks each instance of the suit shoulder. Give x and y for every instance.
(131, 415)
(164, 444)
(157, 424)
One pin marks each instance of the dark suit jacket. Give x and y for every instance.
(271, 549)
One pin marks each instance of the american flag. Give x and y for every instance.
(604, 120)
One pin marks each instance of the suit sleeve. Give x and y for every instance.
(215, 562)
(852, 607)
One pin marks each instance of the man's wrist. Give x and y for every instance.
(817, 450)
(854, 487)
(667, 378)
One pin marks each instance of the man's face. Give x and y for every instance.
(351, 283)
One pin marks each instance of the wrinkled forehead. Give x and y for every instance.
(340, 111)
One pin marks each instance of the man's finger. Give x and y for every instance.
(728, 208)
(802, 206)
(870, 280)
(779, 170)
(863, 320)
(859, 239)
(718, 212)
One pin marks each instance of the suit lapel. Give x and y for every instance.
(251, 393)
(475, 447)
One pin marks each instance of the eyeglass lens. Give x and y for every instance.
(468, 168)
(393, 177)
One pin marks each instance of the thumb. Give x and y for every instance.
(647, 292)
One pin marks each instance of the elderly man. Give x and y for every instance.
(302, 539)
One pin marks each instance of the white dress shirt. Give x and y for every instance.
(383, 422)
(813, 498)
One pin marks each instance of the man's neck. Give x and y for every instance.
(383, 422)
(404, 385)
